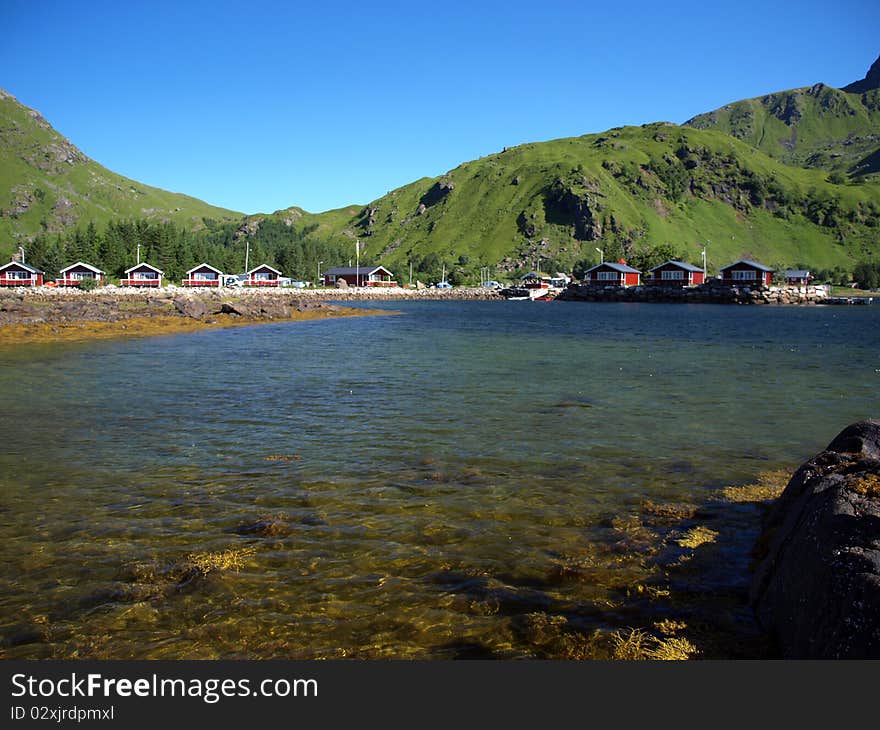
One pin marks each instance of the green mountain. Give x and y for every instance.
(817, 127)
(47, 185)
(644, 193)
(641, 193)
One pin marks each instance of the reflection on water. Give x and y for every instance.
(468, 479)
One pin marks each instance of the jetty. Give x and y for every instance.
(714, 291)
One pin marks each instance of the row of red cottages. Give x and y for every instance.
(670, 273)
(18, 274)
(680, 273)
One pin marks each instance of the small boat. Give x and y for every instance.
(521, 293)
(515, 294)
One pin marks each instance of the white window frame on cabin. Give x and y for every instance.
(204, 276)
(744, 275)
(19, 275)
(672, 274)
(607, 276)
(262, 276)
(145, 275)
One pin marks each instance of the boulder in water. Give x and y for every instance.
(817, 590)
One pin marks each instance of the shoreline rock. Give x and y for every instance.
(712, 292)
(41, 306)
(817, 589)
(39, 316)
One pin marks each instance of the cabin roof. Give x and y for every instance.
(144, 265)
(26, 267)
(204, 266)
(82, 264)
(753, 264)
(680, 264)
(536, 275)
(623, 268)
(263, 267)
(797, 273)
(365, 270)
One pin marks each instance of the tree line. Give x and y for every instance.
(298, 252)
(175, 249)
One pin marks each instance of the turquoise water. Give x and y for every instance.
(394, 486)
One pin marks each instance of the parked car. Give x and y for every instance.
(444, 285)
(234, 280)
(492, 285)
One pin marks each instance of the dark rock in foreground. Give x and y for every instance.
(818, 588)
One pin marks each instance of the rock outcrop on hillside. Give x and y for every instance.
(817, 590)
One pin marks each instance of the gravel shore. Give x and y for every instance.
(47, 314)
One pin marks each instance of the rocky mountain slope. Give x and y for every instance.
(817, 127)
(786, 179)
(635, 192)
(47, 185)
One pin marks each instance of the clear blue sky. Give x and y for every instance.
(257, 106)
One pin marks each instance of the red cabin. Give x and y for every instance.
(263, 275)
(16, 274)
(74, 274)
(367, 275)
(611, 274)
(142, 275)
(746, 273)
(203, 275)
(676, 273)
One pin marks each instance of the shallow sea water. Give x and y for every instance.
(431, 484)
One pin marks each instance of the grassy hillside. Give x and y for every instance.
(636, 192)
(47, 185)
(818, 127)
(784, 179)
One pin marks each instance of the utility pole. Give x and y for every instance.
(21, 251)
(601, 255)
(247, 253)
(319, 273)
(704, 260)
(138, 254)
(357, 268)
(410, 273)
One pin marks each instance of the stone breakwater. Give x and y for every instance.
(713, 292)
(45, 306)
(47, 314)
(34, 317)
(112, 304)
